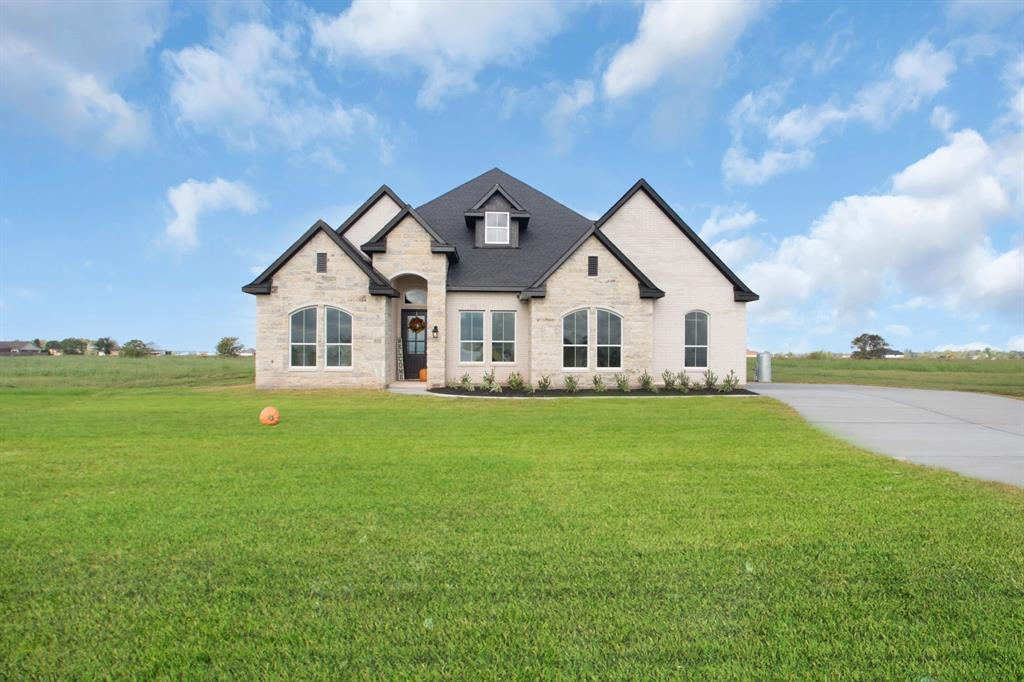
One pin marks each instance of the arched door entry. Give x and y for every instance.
(414, 342)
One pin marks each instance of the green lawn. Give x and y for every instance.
(985, 376)
(161, 532)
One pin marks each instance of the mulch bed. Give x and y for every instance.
(588, 393)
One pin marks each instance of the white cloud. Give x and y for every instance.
(251, 88)
(566, 115)
(451, 40)
(59, 63)
(962, 347)
(942, 119)
(915, 76)
(727, 219)
(676, 38)
(927, 239)
(192, 198)
(1015, 343)
(740, 251)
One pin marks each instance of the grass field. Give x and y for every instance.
(1005, 377)
(160, 532)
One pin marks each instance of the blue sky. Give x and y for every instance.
(860, 165)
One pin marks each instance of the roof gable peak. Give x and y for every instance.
(382, 191)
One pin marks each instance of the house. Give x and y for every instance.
(19, 348)
(890, 354)
(496, 276)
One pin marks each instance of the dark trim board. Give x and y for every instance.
(379, 284)
(378, 243)
(741, 292)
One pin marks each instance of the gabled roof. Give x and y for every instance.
(378, 243)
(497, 189)
(379, 285)
(517, 211)
(741, 292)
(367, 205)
(647, 287)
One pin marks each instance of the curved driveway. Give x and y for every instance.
(971, 433)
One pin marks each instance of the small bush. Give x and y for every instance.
(516, 382)
(572, 384)
(647, 382)
(622, 381)
(684, 384)
(490, 384)
(466, 383)
(729, 383)
(710, 380)
(669, 378)
(599, 384)
(134, 349)
(529, 388)
(544, 382)
(452, 383)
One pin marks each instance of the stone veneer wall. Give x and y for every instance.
(690, 281)
(298, 285)
(408, 252)
(570, 289)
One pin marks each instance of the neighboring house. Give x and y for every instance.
(494, 275)
(19, 348)
(890, 354)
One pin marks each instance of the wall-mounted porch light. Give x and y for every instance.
(433, 332)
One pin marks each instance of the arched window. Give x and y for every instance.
(338, 347)
(609, 340)
(574, 340)
(303, 338)
(695, 352)
(416, 296)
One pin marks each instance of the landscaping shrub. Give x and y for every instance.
(647, 382)
(572, 384)
(516, 382)
(599, 385)
(466, 383)
(544, 382)
(710, 380)
(729, 383)
(684, 382)
(452, 383)
(669, 378)
(622, 381)
(490, 383)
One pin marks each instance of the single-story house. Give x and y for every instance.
(19, 348)
(494, 275)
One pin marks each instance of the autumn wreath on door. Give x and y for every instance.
(416, 325)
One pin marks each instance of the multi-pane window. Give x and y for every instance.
(695, 350)
(471, 336)
(339, 338)
(303, 338)
(495, 228)
(609, 340)
(503, 337)
(574, 340)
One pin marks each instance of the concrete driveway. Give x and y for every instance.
(970, 433)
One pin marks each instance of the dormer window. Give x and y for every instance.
(496, 227)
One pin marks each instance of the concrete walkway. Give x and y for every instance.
(971, 433)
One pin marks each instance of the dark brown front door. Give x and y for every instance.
(414, 342)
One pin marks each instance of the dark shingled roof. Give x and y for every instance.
(554, 228)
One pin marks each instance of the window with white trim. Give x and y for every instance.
(503, 336)
(695, 351)
(303, 338)
(609, 340)
(574, 340)
(338, 333)
(496, 227)
(471, 336)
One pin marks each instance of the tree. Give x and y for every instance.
(74, 346)
(869, 346)
(229, 346)
(134, 349)
(53, 346)
(106, 345)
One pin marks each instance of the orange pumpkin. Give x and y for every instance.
(270, 416)
(423, 374)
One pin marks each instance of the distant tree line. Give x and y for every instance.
(228, 346)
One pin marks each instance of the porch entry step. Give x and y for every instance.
(407, 387)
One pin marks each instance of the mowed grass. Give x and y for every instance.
(92, 371)
(162, 533)
(1004, 377)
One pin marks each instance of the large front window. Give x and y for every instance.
(471, 336)
(303, 338)
(609, 340)
(696, 341)
(503, 337)
(495, 228)
(574, 340)
(339, 338)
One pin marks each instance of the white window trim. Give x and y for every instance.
(316, 340)
(482, 341)
(514, 342)
(619, 345)
(575, 345)
(706, 346)
(351, 344)
(508, 226)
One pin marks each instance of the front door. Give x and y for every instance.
(414, 342)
